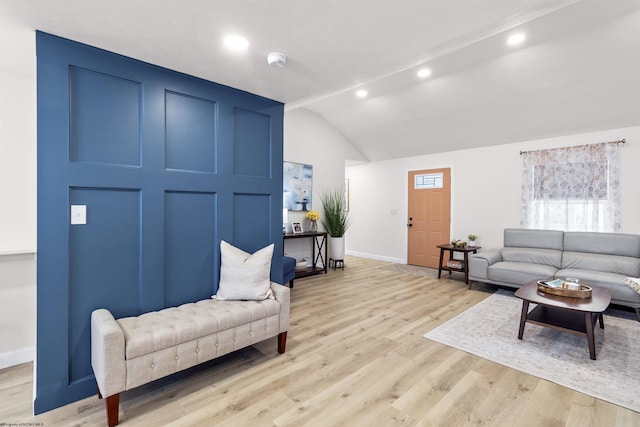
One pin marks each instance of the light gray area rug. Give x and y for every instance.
(490, 330)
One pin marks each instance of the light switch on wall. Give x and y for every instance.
(78, 214)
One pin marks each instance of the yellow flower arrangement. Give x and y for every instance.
(313, 215)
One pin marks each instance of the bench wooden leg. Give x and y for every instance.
(282, 342)
(113, 403)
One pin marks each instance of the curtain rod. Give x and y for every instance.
(620, 141)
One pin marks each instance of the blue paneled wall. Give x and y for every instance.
(166, 165)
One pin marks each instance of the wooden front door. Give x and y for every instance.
(429, 214)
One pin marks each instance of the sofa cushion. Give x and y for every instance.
(479, 263)
(623, 265)
(549, 257)
(525, 238)
(519, 273)
(166, 328)
(244, 276)
(603, 243)
(614, 283)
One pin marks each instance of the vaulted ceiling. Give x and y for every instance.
(578, 69)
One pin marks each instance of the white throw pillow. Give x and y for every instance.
(244, 276)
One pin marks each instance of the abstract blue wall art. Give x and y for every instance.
(297, 186)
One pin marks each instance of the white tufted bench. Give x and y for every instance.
(132, 351)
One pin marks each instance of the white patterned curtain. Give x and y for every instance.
(571, 189)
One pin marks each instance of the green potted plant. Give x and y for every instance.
(472, 239)
(335, 221)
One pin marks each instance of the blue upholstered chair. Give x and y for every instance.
(288, 270)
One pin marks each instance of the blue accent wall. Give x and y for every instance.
(167, 165)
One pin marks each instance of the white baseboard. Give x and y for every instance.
(17, 357)
(378, 257)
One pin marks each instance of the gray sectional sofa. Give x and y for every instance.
(599, 259)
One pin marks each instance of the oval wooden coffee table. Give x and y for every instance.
(575, 315)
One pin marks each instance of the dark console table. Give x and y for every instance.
(318, 246)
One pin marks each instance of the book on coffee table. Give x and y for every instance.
(553, 283)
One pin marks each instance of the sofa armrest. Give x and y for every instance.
(282, 294)
(107, 353)
(479, 263)
(490, 255)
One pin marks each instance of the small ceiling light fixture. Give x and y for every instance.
(515, 39)
(361, 93)
(235, 42)
(423, 72)
(277, 59)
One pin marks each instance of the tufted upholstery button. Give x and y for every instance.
(176, 357)
(234, 338)
(250, 332)
(197, 350)
(153, 365)
(265, 328)
(216, 344)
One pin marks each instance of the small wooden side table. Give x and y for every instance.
(465, 268)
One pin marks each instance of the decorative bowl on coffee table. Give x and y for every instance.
(583, 291)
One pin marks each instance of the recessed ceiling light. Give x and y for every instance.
(361, 93)
(235, 42)
(424, 72)
(515, 39)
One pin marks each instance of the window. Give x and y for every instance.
(571, 189)
(430, 180)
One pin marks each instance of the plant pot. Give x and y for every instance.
(336, 248)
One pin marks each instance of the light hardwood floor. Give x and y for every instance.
(355, 357)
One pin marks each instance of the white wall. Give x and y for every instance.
(485, 192)
(17, 138)
(309, 139)
(17, 193)
(17, 309)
